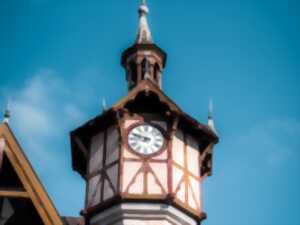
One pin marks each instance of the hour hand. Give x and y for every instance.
(143, 138)
(138, 136)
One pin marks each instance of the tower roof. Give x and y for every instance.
(80, 137)
(144, 34)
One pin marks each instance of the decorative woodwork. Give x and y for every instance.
(13, 194)
(115, 173)
(143, 61)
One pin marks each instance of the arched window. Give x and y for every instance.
(133, 75)
(145, 68)
(156, 73)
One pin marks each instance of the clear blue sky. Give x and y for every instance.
(60, 58)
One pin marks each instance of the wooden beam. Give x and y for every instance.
(81, 146)
(14, 194)
(2, 146)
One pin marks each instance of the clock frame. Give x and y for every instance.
(140, 123)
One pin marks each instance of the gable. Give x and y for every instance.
(23, 200)
(145, 97)
(9, 179)
(16, 211)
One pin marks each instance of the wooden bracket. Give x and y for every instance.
(14, 194)
(81, 146)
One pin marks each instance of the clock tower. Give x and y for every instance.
(144, 159)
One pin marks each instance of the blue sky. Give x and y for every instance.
(60, 58)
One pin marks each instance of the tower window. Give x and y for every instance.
(156, 72)
(145, 68)
(133, 75)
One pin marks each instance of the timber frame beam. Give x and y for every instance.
(14, 194)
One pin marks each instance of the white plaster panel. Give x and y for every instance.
(177, 176)
(162, 156)
(113, 173)
(181, 193)
(130, 169)
(113, 145)
(191, 200)
(153, 187)
(94, 190)
(128, 154)
(138, 186)
(107, 192)
(193, 156)
(196, 186)
(128, 123)
(96, 152)
(178, 148)
(161, 172)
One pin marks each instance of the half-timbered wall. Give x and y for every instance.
(103, 166)
(186, 182)
(145, 177)
(174, 171)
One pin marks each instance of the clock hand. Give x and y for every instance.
(137, 135)
(143, 138)
(146, 139)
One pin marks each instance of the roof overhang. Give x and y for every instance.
(80, 137)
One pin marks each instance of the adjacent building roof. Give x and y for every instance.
(30, 187)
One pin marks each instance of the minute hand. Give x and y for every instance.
(146, 139)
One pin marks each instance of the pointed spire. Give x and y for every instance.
(210, 123)
(144, 33)
(6, 114)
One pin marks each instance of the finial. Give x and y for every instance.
(210, 123)
(210, 109)
(6, 114)
(144, 33)
(104, 106)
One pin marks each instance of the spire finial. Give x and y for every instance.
(144, 33)
(210, 109)
(6, 114)
(210, 123)
(104, 106)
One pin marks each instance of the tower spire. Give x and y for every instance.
(144, 60)
(210, 123)
(144, 33)
(6, 114)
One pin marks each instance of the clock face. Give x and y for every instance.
(145, 139)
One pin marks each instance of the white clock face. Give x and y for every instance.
(145, 139)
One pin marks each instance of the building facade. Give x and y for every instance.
(143, 160)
